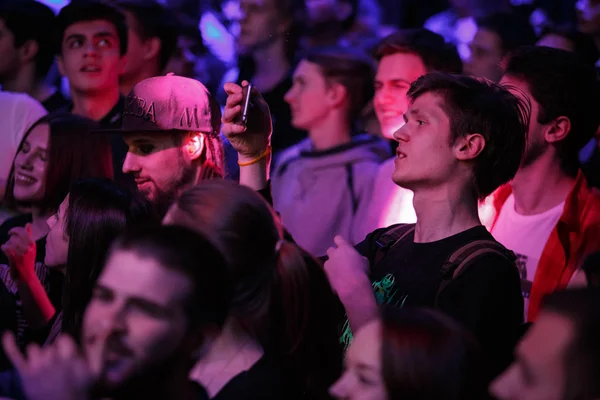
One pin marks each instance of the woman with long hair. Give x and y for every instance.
(281, 337)
(56, 151)
(412, 354)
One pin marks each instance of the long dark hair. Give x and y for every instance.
(426, 355)
(75, 153)
(281, 294)
(99, 211)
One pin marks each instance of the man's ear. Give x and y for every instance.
(557, 130)
(61, 65)
(122, 64)
(469, 147)
(336, 94)
(195, 145)
(28, 51)
(152, 48)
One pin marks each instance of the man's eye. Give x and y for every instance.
(75, 44)
(146, 148)
(104, 43)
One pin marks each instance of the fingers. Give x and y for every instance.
(233, 100)
(13, 352)
(65, 347)
(28, 230)
(230, 114)
(232, 88)
(340, 241)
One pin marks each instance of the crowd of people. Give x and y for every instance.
(299, 199)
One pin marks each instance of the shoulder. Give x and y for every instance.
(289, 155)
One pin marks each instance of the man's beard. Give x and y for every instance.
(165, 198)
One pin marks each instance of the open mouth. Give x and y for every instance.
(25, 180)
(91, 69)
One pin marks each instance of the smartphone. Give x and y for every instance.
(246, 92)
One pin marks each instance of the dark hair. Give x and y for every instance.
(583, 45)
(591, 269)
(99, 210)
(480, 106)
(91, 10)
(153, 20)
(582, 359)
(281, 294)
(186, 252)
(75, 153)
(351, 69)
(32, 20)
(437, 55)
(512, 29)
(426, 355)
(563, 86)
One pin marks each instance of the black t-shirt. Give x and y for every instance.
(264, 381)
(486, 298)
(56, 102)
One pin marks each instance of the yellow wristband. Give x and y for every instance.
(257, 159)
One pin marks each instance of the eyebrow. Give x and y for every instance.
(366, 367)
(395, 80)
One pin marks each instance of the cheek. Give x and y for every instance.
(153, 339)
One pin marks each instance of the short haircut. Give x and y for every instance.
(92, 10)
(351, 69)
(153, 20)
(437, 55)
(563, 85)
(480, 106)
(181, 250)
(31, 20)
(582, 359)
(512, 29)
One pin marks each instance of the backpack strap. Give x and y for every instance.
(465, 256)
(390, 238)
(350, 184)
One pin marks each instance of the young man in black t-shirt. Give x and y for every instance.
(461, 140)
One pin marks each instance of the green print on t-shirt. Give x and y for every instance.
(385, 293)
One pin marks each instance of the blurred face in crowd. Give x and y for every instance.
(9, 55)
(137, 48)
(57, 241)
(311, 97)
(362, 378)
(323, 11)
(588, 16)
(486, 56)
(394, 75)
(31, 164)
(136, 320)
(539, 370)
(260, 23)
(91, 58)
(556, 41)
(425, 156)
(159, 164)
(536, 142)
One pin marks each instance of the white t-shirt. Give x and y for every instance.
(526, 236)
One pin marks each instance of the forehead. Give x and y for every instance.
(556, 41)
(429, 103)
(129, 275)
(366, 346)
(401, 66)
(39, 136)
(518, 87)
(91, 28)
(487, 39)
(154, 137)
(307, 68)
(548, 340)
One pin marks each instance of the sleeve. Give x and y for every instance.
(368, 247)
(487, 299)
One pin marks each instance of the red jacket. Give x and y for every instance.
(576, 235)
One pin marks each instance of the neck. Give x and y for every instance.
(272, 65)
(169, 384)
(233, 352)
(94, 105)
(444, 212)
(127, 82)
(39, 227)
(26, 82)
(541, 186)
(331, 133)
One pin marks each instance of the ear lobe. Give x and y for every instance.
(153, 46)
(61, 65)
(469, 147)
(559, 130)
(195, 145)
(28, 50)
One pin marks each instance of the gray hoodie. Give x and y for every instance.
(317, 193)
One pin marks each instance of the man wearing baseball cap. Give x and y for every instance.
(171, 125)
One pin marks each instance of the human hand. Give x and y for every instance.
(252, 139)
(20, 249)
(346, 269)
